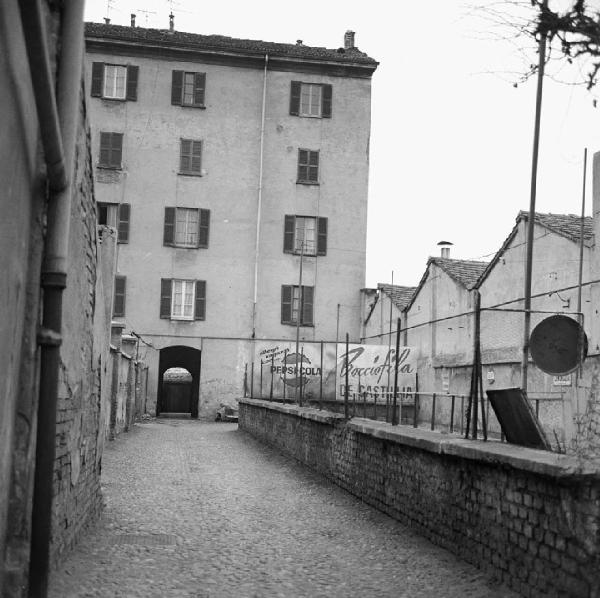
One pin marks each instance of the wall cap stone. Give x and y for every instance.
(321, 416)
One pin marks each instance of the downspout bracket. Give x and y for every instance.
(48, 338)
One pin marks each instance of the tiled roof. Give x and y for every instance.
(222, 43)
(400, 296)
(465, 272)
(566, 225)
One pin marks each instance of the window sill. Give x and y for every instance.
(314, 183)
(197, 106)
(113, 99)
(197, 174)
(105, 167)
(308, 116)
(175, 246)
(301, 325)
(298, 254)
(180, 319)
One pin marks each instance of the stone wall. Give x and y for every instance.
(529, 518)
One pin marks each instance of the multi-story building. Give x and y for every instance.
(236, 174)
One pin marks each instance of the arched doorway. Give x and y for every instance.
(178, 391)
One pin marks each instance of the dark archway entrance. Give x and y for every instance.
(187, 358)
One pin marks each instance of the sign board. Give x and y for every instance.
(517, 419)
(562, 380)
(371, 370)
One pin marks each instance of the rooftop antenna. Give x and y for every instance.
(109, 6)
(146, 13)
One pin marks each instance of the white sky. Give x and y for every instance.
(451, 137)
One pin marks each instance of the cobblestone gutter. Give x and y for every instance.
(530, 518)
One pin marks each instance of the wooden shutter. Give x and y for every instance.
(199, 87)
(119, 298)
(200, 311)
(169, 228)
(287, 295)
(105, 149)
(307, 306)
(132, 82)
(322, 236)
(123, 226)
(116, 149)
(203, 228)
(196, 159)
(295, 98)
(302, 165)
(165, 297)
(177, 88)
(313, 169)
(326, 100)
(97, 79)
(185, 155)
(289, 229)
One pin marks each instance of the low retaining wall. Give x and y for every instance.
(530, 518)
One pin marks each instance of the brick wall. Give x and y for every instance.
(529, 518)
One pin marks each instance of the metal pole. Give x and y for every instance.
(347, 381)
(321, 379)
(531, 219)
(272, 367)
(298, 318)
(394, 415)
(579, 370)
(387, 395)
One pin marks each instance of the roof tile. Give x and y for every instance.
(399, 295)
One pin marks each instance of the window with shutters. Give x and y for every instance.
(114, 81)
(308, 167)
(182, 299)
(119, 298)
(186, 227)
(311, 100)
(187, 89)
(108, 214)
(190, 157)
(111, 150)
(305, 235)
(123, 223)
(297, 302)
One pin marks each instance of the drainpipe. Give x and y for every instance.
(260, 186)
(54, 267)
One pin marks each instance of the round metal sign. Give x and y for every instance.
(556, 345)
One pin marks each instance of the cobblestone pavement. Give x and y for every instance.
(203, 510)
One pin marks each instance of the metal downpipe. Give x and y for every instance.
(53, 281)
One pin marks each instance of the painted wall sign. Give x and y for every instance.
(371, 371)
(564, 380)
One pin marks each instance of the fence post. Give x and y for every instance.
(245, 380)
(321, 380)
(261, 372)
(433, 411)
(252, 381)
(452, 415)
(346, 388)
(394, 414)
(272, 368)
(285, 354)
(301, 387)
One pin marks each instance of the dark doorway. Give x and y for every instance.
(178, 391)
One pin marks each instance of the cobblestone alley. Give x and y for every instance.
(203, 510)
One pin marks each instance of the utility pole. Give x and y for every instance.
(531, 219)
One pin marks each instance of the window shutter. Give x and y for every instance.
(97, 79)
(123, 228)
(313, 170)
(302, 165)
(295, 98)
(203, 228)
(105, 149)
(288, 234)
(165, 297)
(307, 305)
(286, 304)
(196, 156)
(169, 228)
(132, 82)
(326, 100)
(116, 149)
(199, 87)
(322, 237)
(177, 88)
(119, 299)
(200, 311)
(185, 163)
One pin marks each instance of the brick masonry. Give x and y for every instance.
(529, 518)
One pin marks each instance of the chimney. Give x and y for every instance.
(298, 42)
(106, 21)
(171, 22)
(349, 40)
(133, 19)
(445, 248)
